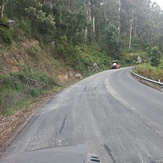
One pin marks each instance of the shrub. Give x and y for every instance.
(5, 36)
(26, 26)
(155, 56)
(150, 72)
(34, 51)
(35, 92)
(1, 100)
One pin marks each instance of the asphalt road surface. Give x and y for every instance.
(118, 118)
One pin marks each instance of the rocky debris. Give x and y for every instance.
(139, 60)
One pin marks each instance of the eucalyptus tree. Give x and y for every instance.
(110, 41)
(137, 19)
(2, 7)
(138, 22)
(155, 56)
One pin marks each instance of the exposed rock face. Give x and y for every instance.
(139, 60)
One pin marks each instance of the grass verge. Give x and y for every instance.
(148, 71)
(18, 90)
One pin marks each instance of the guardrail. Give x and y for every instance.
(147, 81)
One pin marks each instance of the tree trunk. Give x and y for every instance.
(105, 19)
(86, 33)
(135, 27)
(2, 9)
(91, 14)
(93, 21)
(131, 28)
(89, 11)
(119, 17)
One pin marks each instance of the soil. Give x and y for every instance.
(11, 125)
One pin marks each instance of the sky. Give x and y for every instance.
(159, 2)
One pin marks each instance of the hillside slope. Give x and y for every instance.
(29, 76)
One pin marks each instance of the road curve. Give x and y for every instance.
(117, 117)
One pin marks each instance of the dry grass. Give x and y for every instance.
(154, 73)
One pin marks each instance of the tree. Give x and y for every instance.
(2, 8)
(110, 41)
(155, 56)
(138, 22)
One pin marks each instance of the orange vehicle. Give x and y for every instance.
(115, 64)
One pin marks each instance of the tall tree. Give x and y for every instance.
(2, 7)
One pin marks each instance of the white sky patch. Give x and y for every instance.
(159, 2)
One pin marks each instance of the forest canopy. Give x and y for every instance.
(113, 24)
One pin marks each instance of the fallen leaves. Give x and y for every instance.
(10, 124)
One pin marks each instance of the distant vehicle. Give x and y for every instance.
(70, 154)
(115, 64)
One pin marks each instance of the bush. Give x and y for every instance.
(5, 36)
(26, 26)
(155, 56)
(35, 92)
(150, 72)
(1, 100)
(17, 88)
(6, 82)
(34, 51)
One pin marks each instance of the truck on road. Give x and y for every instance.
(115, 64)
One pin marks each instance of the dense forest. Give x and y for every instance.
(113, 24)
(76, 33)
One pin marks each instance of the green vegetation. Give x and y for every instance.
(153, 69)
(155, 56)
(5, 35)
(17, 89)
(148, 71)
(55, 37)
